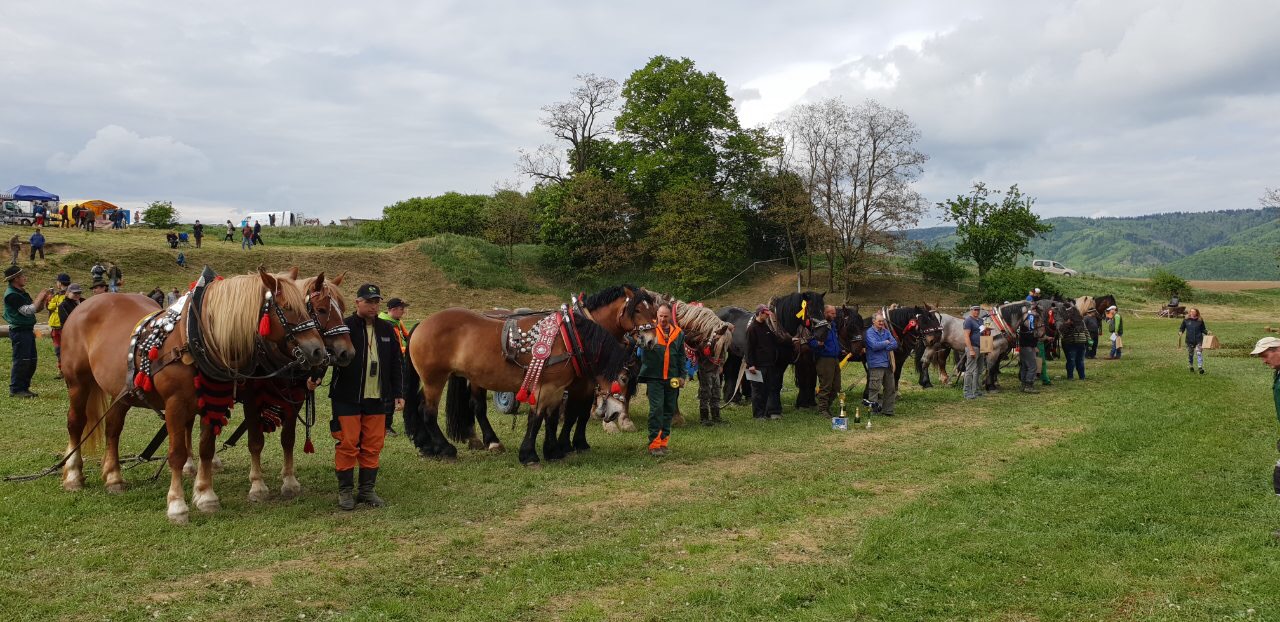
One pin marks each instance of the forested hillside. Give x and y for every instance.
(1230, 245)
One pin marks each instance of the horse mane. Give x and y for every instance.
(786, 308)
(612, 293)
(607, 357)
(693, 319)
(332, 291)
(232, 310)
(1013, 312)
(900, 316)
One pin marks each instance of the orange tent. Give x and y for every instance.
(96, 205)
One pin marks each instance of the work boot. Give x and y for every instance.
(704, 415)
(1029, 388)
(715, 416)
(368, 477)
(346, 486)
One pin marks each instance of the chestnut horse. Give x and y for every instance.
(466, 350)
(241, 319)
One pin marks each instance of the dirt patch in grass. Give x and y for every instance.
(255, 577)
(1233, 286)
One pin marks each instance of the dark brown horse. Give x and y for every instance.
(108, 337)
(471, 358)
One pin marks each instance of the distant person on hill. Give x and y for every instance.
(197, 231)
(257, 233)
(231, 233)
(246, 238)
(39, 212)
(37, 244)
(98, 272)
(115, 277)
(172, 239)
(272, 219)
(1195, 330)
(15, 248)
(1115, 325)
(182, 260)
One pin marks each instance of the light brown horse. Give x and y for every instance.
(465, 349)
(241, 318)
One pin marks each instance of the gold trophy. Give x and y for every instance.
(675, 383)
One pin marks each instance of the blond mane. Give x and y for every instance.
(331, 290)
(701, 322)
(232, 310)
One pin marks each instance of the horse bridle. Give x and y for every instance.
(340, 329)
(271, 305)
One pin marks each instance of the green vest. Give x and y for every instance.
(1275, 393)
(663, 362)
(11, 314)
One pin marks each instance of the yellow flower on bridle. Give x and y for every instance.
(804, 306)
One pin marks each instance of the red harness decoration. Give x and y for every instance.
(539, 354)
(214, 402)
(277, 401)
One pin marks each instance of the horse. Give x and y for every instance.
(1009, 317)
(473, 353)
(911, 326)
(274, 403)
(800, 316)
(952, 339)
(735, 390)
(187, 359)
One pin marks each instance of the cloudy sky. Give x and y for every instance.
(338, 109)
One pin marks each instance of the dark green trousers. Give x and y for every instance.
(662, 407)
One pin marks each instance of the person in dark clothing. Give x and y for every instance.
(1027, 343)
(662, 369)
(1075, 340)
(762, 358)
(1195, 330)
(157, 295)
(20, 313)
(197, 231)
(231, 233)
(826, 356)
(172, 239)
(257, 233)
(37, 244)
(362, 393)
(75, 295)
(1094, 328)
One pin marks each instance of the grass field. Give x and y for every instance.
(1141, 493)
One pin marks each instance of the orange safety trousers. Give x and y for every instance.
(360, 439)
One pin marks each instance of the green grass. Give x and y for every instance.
(336, 235)
(475, 263)
(1139, 494)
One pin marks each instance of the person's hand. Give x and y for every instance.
(399, 403)
(312, 384)
(752, 369)
(969, 350)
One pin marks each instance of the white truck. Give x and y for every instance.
(12, 213)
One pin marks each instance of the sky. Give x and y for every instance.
(1095, 108)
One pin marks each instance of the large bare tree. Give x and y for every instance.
(858, 164)
(581, 122)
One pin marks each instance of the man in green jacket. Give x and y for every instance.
(20, 313)
(662, 368)
(394, 315)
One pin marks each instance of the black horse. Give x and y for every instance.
(801, 316)
(913, 327)
(735, 390)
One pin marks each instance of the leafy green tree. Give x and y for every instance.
(587, 225)
(1162, 282)
(993, 235)
(420, 217)
(697, 253)
(510, 218)
(937, 265)
(160, 215)
(1012, 284)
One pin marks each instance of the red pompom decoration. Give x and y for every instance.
(533, 399)
(197, 382)
(264, 325)
(706, 350)
(139, 379)
(522, 395)
(153, 353)
(615, 388)
(308, 448)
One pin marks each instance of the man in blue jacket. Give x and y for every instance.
(826, 354)
(882, 387)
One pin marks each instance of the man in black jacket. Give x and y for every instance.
(762, 358)
(363, 393)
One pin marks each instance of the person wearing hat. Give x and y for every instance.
(1115, 324)
(1034, 295)
(72, 299)
(662, 369)
(762, 362)
(362, 393)
(98, 287)
(55, 323)
(20, 313)
(1268, 349)
(975, 364)
(393, 315)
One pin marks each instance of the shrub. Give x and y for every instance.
(938, 265)
(474, 263)
(1164, 283)
(1012, 284)
(462, 214)
(160, 215)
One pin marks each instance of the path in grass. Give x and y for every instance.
(1141, 493)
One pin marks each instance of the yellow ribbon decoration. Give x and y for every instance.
(804, 305)
(844, 361)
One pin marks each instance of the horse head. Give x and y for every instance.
(327, 307)
(630, 310)
(285, 323)
(851, 328)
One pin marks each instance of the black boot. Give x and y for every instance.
(715, 416)
(346, 485)
(368, 477)
(704, 415)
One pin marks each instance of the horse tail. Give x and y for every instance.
(414, 418)
(459, 416)
(93, 438)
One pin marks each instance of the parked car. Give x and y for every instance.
(1052, 267)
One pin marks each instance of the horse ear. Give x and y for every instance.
(267, 280)
(338, 279)
(293, 273)
(724, 327)
(319, 284)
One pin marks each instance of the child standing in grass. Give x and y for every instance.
(1195, 330)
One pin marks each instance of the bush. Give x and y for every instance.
(1165, 284)
(938, 265)
(462, 214)
(1012, 284)
(160, 215)
(474, 263)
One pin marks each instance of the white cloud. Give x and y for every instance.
(115, 152)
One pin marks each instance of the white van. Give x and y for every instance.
(282, 219)
(1052, 267)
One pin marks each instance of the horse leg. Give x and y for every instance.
(114, 420)
(258, 490)
(488, 437)
(189, 468)
(432, 391)
(73, 470)
(569, 419)
(550, 442)
(528, 453)
(202, 495)
(580, 428)
(289, 485)
(178, 450)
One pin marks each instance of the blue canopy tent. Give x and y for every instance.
(28, 193)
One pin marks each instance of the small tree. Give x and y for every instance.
(1164, 283)
(696, 252)
(993, 235)
(1012, 284)
(937, 265)
(509, 219)
(160, 215)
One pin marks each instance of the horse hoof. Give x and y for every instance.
(115, 488)
(258, 495)
(290, 489)
(496, 447)
(475, 444)
(177, 512)
(627, 426)
(72, 485)
(611, 428)
(583, 449)
(533, 466)
(178, 519)
(209, 505)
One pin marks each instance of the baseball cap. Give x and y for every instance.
(75, 288)
(1111, 308)
(98, 283)
(64, 278)
(396, 302)
(369, 291)
(1037, 290)
(760, 308)
(1264, 344)
(975, 308)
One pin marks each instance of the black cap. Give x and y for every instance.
(369, 291)
(396, 302)
(64, 278)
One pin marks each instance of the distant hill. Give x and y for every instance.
(1224, 245)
